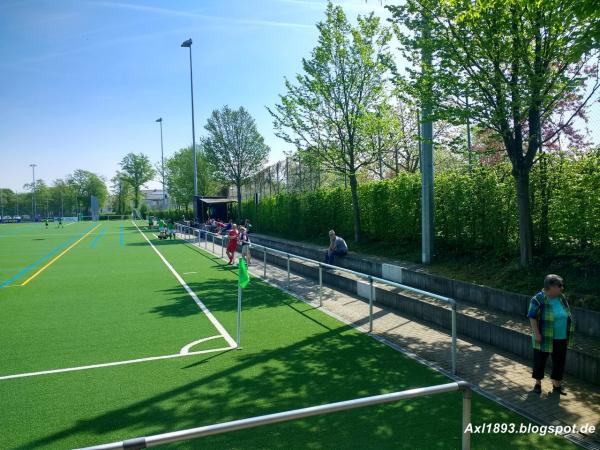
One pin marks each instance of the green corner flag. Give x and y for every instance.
(244, 275)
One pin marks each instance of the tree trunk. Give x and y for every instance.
(355, 207)
(238, 185)
(136, 198)
(525, 233)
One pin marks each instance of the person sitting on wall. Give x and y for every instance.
(337, 247)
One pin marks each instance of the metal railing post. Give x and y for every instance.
(371, 304)
(453, 349)
(466, 417)
(320, 285)
(288, 269)
(205, 240)
(213, 242)
(264, 262)
(222, 245)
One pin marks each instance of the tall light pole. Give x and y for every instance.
(427, 209)
(33, 204)
(162, 162)
(188, 44)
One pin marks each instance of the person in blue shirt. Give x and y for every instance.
(337, 247)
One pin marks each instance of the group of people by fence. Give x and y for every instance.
(236, 234)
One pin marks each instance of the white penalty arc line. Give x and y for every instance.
(186, 349)
(117, 363)
(192, 294)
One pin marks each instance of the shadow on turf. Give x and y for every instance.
(286, 364)
(322, 367)
(187, 245)
(221, 296)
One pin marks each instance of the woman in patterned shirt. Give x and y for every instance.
(552, 332)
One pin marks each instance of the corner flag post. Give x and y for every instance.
(239, 315)
(243, 280)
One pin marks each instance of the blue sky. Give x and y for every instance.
(82, 82)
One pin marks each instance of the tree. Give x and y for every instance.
(517, 59)
(121, 192)
(7, 202)
(329, 113)
(41, 195)
(62, 196)
(84, 184)
(137, 171)
(179, 176)
(234, 148)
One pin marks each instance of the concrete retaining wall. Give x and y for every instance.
(586, 322)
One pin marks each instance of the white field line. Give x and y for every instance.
(192, 294)
(116, 363)
(186, 349)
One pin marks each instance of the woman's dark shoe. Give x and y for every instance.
(537, 389)
(559, 390)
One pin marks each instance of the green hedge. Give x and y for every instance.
(474, 213)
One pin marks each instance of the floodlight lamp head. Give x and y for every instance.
(187, 43)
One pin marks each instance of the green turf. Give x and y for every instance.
(110, 302)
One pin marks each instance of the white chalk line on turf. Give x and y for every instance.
(220, 328)
(117, 363)
(186, 349)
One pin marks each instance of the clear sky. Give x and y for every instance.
(82, 82)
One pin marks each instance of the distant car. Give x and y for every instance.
(26, 217)
(17, 218)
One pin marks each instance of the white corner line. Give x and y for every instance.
(220, 328)
(111, 364)
(186, 349)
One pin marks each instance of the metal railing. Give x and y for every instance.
(197, 233)
(253, 422)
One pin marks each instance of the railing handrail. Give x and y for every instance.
(441, 298)
(253, 422)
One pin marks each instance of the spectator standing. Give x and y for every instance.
(245, 241)
(552, 332)
(232, 243)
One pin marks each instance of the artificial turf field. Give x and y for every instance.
(97, 293)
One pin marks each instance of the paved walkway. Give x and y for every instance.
(497, 374)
